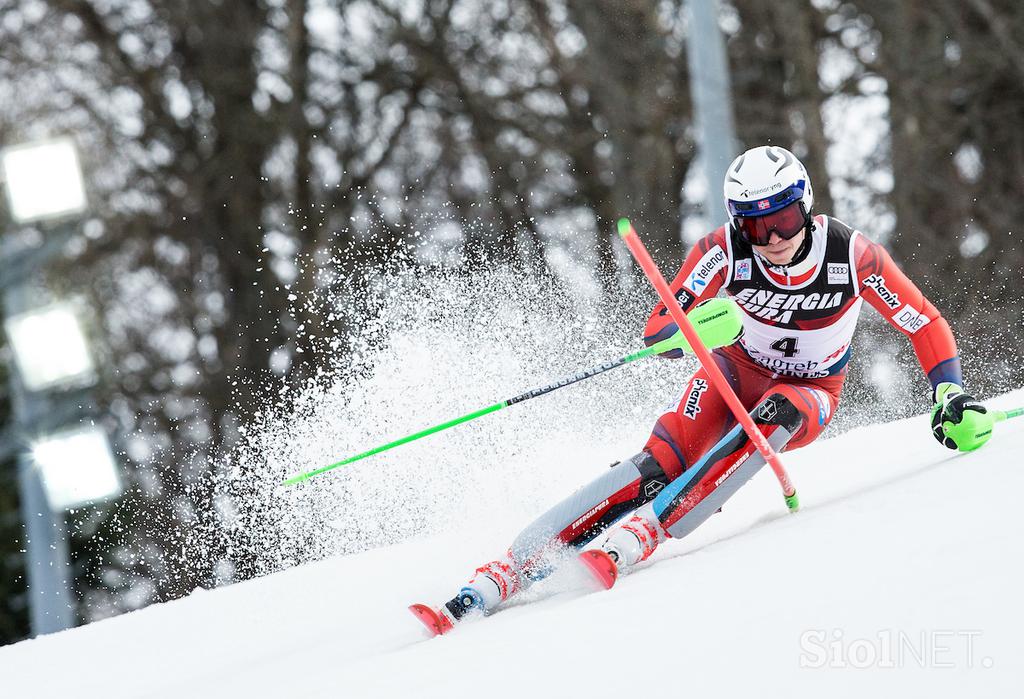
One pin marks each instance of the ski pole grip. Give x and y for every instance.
(717, 321)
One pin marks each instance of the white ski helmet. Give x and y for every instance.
(764, 180)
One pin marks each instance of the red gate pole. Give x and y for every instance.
(643, 258)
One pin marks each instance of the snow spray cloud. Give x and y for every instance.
(438, 344)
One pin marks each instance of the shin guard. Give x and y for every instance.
(702, 489)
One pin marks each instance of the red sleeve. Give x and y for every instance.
(701, 276)
(884, 285)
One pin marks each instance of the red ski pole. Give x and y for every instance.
(650, 269)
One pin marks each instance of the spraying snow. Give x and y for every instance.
(443, 345)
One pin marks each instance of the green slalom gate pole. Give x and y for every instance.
(717, 321)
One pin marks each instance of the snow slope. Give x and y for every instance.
(905, 559)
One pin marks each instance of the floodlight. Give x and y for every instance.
(50, 348)
(44, 180)
(77, 467)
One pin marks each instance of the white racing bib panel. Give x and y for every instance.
(802, 353)
(803, 329)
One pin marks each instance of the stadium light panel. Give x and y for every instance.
(44, 180)
(50, 348)
(77, 468)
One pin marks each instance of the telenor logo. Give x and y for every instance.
(761, 190)
(712, 261)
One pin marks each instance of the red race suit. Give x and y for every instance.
(798, 325)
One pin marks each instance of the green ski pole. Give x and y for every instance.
(1001, 415)
(717, 321)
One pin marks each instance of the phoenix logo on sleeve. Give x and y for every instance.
(692, 406)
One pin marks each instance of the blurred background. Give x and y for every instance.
(202, 198)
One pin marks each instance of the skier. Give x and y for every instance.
(800, 281)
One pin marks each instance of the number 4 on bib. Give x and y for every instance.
(785, 345)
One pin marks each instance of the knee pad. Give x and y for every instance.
(778, 409)
(652, 476)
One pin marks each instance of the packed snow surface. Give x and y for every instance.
(901, 576)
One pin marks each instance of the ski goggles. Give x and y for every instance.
(785, 223)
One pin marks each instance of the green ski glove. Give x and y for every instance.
(958, 420)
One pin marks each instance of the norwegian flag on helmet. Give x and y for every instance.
(763, 204)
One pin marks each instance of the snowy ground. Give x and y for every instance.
(900, 577)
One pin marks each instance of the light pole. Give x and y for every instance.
(712, 99)
(58, 467)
